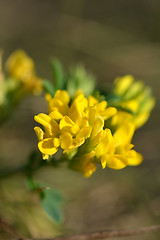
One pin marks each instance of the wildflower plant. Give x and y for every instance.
(17, 81)
(92, 131)
(82, 127)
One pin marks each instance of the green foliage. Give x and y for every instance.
(113, 99)
(48, 87)
(58, 76)
(80, 79)
(77, 78)
(124, 109)
(51, 202)
(32, 185)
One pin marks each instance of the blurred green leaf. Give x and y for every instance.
(80, 79)
(113, 99)
(123, 109)
(71, 86)
(58, 76)
(51, 202)
(48, 87)
(31, 184)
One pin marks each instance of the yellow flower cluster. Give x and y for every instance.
(77, 126)
(19, 80)
(21, 67)
(135, 96)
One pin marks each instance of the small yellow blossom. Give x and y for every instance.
(115, 151)
(79, 124)
(135, 96)
(85, 164)
(21, 67)
(121, 84)
(71, 124)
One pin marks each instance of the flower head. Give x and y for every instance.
(133, 96)
(69, 122)
(21, 67)
(77, 126)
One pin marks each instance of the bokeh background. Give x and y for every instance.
(111, 38)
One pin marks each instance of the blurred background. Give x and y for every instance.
(111, 38)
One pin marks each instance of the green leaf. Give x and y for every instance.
(31, 184)
(80, 79)
(48, 87)
(51, 203)
(113, 99)
(58, 76)
(123, 109)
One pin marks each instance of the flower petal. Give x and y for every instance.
(114, 161)
(109, 112)
(45, 120)
(47, 147)
(101, 106)
(56, 115)
(39, 132)
(124, 134)
(122, 84)
(92, 101)
(106, 144)
(90, 168)
(75, 111)
(62, 95)
(66, 141)
(98, 126)
(66, 122)
(134, 158)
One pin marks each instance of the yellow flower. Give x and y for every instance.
(122, 84)
(115, 151)
(21, 67)
(77, 126)
(71, 126)
(85, 164)
(135, 96)
(70, 122)
(49, 138)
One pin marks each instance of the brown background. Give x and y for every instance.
(111, 38)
